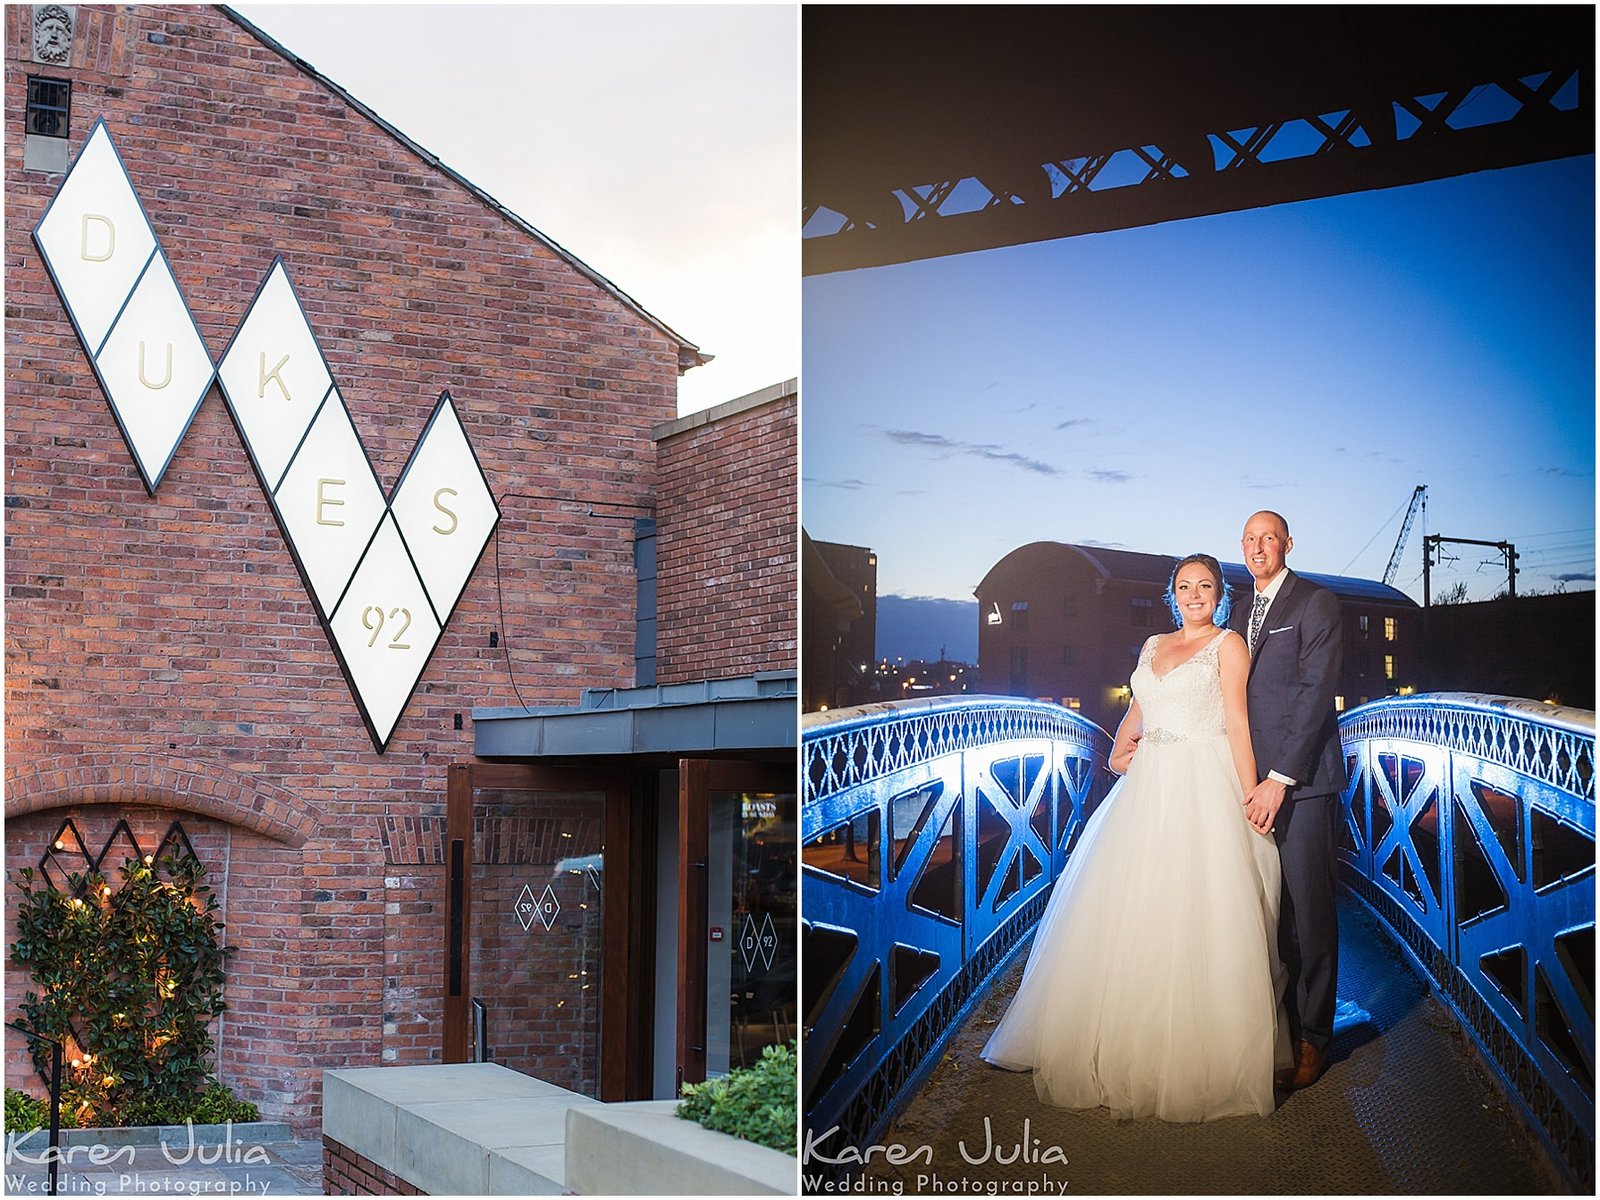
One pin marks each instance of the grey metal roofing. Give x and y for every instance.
(750, 712)
(1138, 567)
(695, 358)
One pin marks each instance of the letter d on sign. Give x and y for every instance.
(109, 239)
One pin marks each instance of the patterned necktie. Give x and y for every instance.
(1258, 610)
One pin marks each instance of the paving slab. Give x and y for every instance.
(287, 1168)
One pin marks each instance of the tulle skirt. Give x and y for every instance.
(1153, 985)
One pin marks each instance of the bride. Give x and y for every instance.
(1152, 986)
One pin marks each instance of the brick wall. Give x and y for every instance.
(346, 1173)
(162, 652)
(728, 533)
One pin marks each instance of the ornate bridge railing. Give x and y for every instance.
(1469, 828)
(932, 831)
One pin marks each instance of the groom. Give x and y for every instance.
(1295, 639)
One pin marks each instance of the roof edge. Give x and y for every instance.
(689, 354)
(789, 389)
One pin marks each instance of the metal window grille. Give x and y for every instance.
(49, 106)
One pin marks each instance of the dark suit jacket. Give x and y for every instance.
(1294, 673)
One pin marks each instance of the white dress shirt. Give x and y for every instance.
(1274, 586)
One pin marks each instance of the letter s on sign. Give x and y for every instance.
(454, 521)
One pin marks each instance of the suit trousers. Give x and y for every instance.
(1308, 924)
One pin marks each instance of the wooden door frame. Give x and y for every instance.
(697, 779)
(627, 989)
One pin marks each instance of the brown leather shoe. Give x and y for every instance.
(1309, 1064)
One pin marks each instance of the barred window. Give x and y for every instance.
(49, 106)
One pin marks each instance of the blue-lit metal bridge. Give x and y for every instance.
(1464, 1057)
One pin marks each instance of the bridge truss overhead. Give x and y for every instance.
(935, 131)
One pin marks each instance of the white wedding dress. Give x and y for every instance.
(1153, 984)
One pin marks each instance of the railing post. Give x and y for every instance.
(51, 1185)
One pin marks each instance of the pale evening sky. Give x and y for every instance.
(657, 143)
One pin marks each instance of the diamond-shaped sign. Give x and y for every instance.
(384, 574)
(329, 503)
(273, 376)
(527, 908)
(767, 943)
(544, 910)
(444, 507)
(758, 943)
(384, 631)
(114, 278)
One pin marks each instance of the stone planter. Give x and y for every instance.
(642, 1148)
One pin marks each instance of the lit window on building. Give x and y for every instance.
(1388, 666)
(1361, 623)
(1142, 609)
(1072, 702)
(1391, 628)
(1338, 704)
(49, 106)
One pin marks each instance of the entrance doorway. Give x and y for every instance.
(620, 930)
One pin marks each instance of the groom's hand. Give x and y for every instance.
(1262, 804)
(1122, 754)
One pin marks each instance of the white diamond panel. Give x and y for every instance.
(385, 630)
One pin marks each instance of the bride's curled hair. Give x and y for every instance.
(1224, 600)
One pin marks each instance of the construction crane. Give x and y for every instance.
(1419, 503)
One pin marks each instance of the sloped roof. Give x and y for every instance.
(689, 354)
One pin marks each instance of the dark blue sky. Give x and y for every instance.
(1150, 388)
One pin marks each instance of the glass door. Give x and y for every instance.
(737, 913)
(544, 965)
(750, 985)
(537, 931)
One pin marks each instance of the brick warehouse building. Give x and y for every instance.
(1065, 622)
(166, 660)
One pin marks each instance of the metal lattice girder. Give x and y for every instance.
(1002, 786)
(1469, 826)
(1047, 122)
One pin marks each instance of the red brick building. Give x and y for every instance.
(166, 660)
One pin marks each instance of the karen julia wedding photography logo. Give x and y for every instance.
(94, 1169)
(992, 1150)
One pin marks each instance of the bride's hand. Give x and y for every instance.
(1122, 755)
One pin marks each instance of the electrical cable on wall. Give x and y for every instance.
(499, 587)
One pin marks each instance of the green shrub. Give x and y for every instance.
(24, 1113)
(755, 1103)
(129, 981)
(216, 1105)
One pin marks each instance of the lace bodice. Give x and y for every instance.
(1184, 703)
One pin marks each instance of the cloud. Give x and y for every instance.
(1575, 577)
(1109, 476)
(984, 450)
(1565, 472)
(848, 484)
(1104, 545)
(1071, 421)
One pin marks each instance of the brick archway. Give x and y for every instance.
(188, 785)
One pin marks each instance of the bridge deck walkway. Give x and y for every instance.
(1406, 1107)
